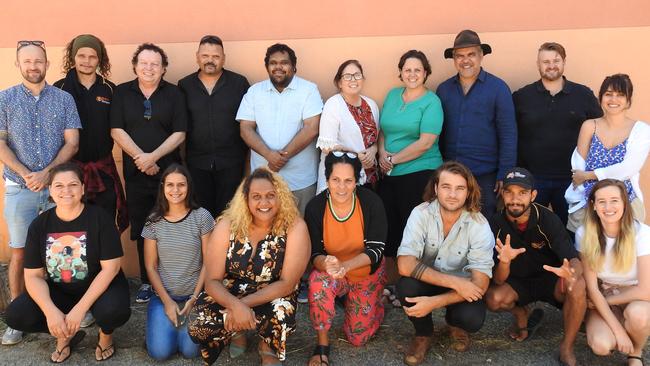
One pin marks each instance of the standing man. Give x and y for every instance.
(148, 121)
(38, 130)
(550, 113)
(536, 261)
(86, 65)
(279, 120)
(446, 260)
(479, 128)
(215, 150)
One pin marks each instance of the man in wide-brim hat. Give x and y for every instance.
(479, 128)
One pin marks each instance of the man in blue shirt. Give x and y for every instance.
(38, 130)
(479, 129)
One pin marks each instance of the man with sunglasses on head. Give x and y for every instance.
(148, 121)
(279, 120)
(39, 129)
(215, 150)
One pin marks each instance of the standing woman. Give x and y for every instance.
(347, 226)
(613, 146)
(72, 265)
(615, 251)
(175, 240)
(411, 120)
(257, 253)
(349, 122)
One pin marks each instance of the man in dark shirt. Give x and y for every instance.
(479, 129)
(535, 261)
(87, 66)
(215, 151)
(549, 113)
(148, 121)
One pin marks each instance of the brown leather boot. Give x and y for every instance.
(460, 339)
(417, 350)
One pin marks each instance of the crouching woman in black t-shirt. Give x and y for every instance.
(72, 266)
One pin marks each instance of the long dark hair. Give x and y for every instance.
(104, 67)
(162, 206)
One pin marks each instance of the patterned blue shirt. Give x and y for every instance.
(35, 126)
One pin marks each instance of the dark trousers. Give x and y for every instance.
(488, 195)
(111, 310)
(215, 187)
(400, 195)
(141, 193)
(465, 315)
(551, 191)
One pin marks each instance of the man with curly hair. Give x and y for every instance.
(86, 65)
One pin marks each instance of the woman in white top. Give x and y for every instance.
(349, 122)
(615, 252)
(613, 146)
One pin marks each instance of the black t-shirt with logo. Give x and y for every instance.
(545, 239)
(70, 251)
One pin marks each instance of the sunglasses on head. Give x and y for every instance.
(147, 109)
(340, 154)
(22, 44)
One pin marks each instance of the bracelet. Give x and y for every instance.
(193, 297)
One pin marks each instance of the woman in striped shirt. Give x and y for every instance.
(175, 238)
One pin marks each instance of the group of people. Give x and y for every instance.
(343, 203)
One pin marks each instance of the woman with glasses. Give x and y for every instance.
(615, 252)
(613, 146)
(72, 266)
(350, 122)
(347, 226)
(256, 255)
(175, 240)
(411, 120)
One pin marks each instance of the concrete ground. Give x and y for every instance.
(490, 346)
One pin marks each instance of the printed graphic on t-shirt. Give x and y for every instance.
(65, 255)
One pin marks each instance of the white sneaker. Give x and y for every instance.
(87, 321)
(12, 336)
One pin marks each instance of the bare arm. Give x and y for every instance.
(584, 137)
(8, 157)
(415, 149)
(125, 142)
(248, 133)
(36, 181)
(145, 161)
(634, 293)
(214, 273)
(296, 258)
(304, 137)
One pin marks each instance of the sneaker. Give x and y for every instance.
(87, 321)
(303, 294)
(11, 336)
(144, 293)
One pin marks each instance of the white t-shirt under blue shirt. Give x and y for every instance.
(279, 117)
(606, 274)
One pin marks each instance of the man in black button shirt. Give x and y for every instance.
(535, 261)
(148, 121)
(215, 150)
(549, 114)
(87, 67)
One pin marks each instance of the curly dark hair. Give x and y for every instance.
(104, 67)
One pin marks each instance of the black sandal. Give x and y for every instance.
(321, 351)
(636, 358)
(102, 350)
(74, 341)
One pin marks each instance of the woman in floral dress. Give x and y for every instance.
(256, 255)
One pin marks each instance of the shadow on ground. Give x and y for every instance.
(490, 346)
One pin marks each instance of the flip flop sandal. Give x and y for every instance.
(102, 350)
(636, 358)
(236, 350)
(74, 341)
(321, 351)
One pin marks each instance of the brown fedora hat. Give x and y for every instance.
(467, 38)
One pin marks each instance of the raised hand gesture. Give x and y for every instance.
(565, 271)
(506, 252)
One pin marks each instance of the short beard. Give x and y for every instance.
(282, 84)
(35, 81)
(520, 214)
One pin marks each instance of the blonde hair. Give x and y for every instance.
(240, 216)
(594, 244)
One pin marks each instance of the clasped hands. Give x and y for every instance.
(64, 325)
(146, 163)
(239, 317)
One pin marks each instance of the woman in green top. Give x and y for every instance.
(410, 122)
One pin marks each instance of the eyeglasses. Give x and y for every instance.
(350, 77)
(22, 44)
(349, 154)
(147, 109)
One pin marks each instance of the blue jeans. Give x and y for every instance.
(163, 338)
(551, 191)
(21, 208)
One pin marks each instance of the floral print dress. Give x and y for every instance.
(247, 272)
